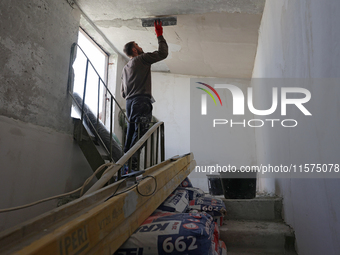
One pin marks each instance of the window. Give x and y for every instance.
(99, 60)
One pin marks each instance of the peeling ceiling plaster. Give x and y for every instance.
(213, 38)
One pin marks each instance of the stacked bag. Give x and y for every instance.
(187, 222)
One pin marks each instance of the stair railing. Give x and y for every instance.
(151, 154)
(159, 126)
(74, 48)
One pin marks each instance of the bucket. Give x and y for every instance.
(215, 185)
(239, 188)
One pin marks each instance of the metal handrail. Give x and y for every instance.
(93, 128)
(118, 165)
(100, 79)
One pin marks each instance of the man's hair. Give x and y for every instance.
(128, 48)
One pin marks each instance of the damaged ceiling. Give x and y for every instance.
(216, 38)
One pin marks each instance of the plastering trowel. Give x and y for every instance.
(166, 21)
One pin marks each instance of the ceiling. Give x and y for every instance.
(216, 38)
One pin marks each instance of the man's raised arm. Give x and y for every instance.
(162, 51)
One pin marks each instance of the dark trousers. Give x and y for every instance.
(139, 112)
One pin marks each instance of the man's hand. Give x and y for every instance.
(158, 27)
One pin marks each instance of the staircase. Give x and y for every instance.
(94, 153)
(255, 226)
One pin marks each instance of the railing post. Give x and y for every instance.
(146, 154)
(130, 165)
(157, 148)
(152, 150)
(119, 176)
(138, 152)
(111, 109)
(98, 101)
(82, 107)
(162, 143)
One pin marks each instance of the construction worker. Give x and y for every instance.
(136, 85)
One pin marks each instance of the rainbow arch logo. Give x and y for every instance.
(209, 93)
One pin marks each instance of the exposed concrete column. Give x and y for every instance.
(35, 40)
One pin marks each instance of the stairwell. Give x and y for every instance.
(255, 226)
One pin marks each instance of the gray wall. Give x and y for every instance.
(300, 39)
(36, 163)
(35, 42)
(38, 157)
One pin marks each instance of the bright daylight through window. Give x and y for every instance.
(99, 60)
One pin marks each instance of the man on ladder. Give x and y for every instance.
(136, 86)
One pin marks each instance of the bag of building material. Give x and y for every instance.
(178, 201)
(186, 183)
(222, 248)
(210, 205)
(193, 192)
(213, 206)
(215, 244)
(219, 246)
(170, 233)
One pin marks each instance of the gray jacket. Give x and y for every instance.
(136, 75)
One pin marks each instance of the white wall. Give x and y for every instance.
(172, 106)
(300, 39)
(118, 66)
(172, 95)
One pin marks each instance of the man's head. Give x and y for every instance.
(131, 49)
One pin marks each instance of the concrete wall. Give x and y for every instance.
(37, 153)
(36, 163)
(300, 39)
(35, 40)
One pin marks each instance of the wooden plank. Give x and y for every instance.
(86, 231)
(49, 219)
(46, 220)
(121, 233)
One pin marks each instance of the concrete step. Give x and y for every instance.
(258, 252)
(263, 236)
(259, 208)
